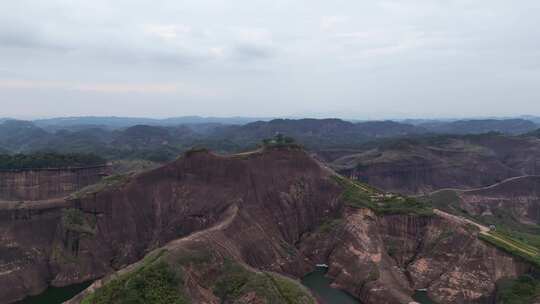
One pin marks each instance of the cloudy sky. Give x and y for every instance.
(352, 59)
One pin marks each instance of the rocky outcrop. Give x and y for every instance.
(516, 198)
(274, 211)
(423, 166)
(61, 243)
(43, 184)
(421, 176)
(448, 259)
(384, 259)
(513, 203)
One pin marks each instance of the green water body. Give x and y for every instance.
(422, 298)
(320, 285)
(56, 295)
(316, 281)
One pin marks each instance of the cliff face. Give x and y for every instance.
(43, 184)
(272, 211)
(454, 162)
(384, 259)
(516, 198)
(447, 259)
(512, 205)
(66, 242)
(421, 176)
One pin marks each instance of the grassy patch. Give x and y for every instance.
(447, 200)
(75, 220)
(154, 282)
(291, 291)
(359, 195)
(157, 281)
(512, 246)
(232, 281)
(520, 291)
(235, 281)
(109, 182)
(124, 166)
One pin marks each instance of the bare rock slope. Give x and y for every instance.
(43, 184)
(425, 165)
(204, 217)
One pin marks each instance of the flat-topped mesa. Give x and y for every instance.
(272, 210)
(47, 183)
(106, 228)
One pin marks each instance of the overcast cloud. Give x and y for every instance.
(352, 59)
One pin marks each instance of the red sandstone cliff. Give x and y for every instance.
(282, 201)
(454, 162)
(43, 184)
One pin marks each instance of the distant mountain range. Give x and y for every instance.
(424, 164)
(505, 126)
(230, 224)
(124, 122)
(163, 139)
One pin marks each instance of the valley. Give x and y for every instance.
(211, 227)
(313, 209)
(269, 152)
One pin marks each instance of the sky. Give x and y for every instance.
(361, 59)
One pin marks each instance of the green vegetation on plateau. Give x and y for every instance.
(512, 236)
(160, 279)
(235, 280)
(359, 195)
(152, 283)
(503, 219)
(107, 182)
(510, 227)
(520, 291)
(48, 160)
(513, 246)
(280, 141)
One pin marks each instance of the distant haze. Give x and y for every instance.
(350, 59)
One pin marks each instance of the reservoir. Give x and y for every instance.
(320, 286)
(56, 295)
(422, 298)
(316, 281)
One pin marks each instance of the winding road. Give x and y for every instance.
(481, 188)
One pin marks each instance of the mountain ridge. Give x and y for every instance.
(289, 212)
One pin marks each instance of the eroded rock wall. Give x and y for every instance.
(420, 177)
(288, 216)
(517, 198)
(43, 184)
(281, 193)
(383, 259)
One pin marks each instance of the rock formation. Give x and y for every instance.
(514, 201)
(266, 212)
(43, 184)
(426, 165)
